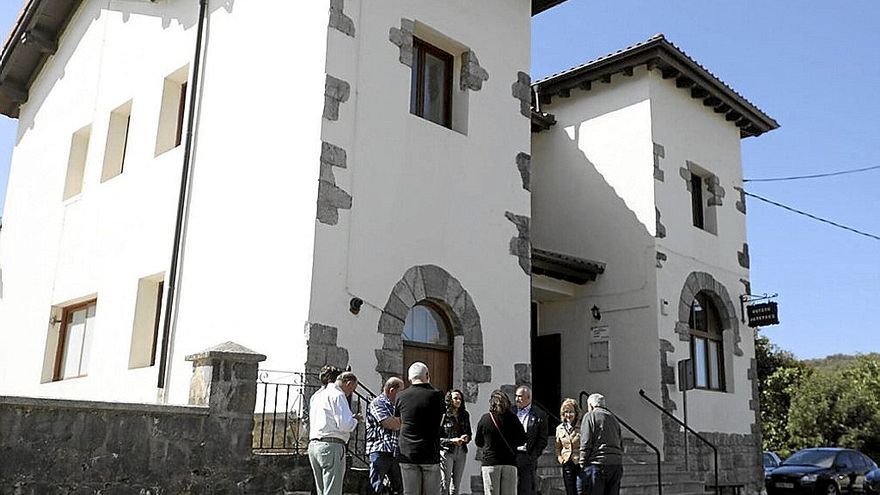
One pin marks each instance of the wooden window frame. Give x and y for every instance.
(708, 336)
(417, 97)
(62, 334)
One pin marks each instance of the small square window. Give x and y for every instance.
(703, 198)
(172, 112)
(431, 91)
(147, 319)
(76, 162)
(117, 142)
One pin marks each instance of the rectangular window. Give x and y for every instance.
(697, 201)
(431, 90)
(701, 371)
(172, 112)
(147, 319)
(76, 162)
(117, 142)
(75, 340)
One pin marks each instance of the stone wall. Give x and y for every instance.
(52, 446)
(739, 457)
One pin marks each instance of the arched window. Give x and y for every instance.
(707, 352)
(427, 338)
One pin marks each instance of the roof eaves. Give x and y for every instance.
(659, 53)
(539, 6)
(33, 38)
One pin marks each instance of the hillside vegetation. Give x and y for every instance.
(828, 402)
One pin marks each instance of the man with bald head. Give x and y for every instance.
(420, 408)
(382, 428)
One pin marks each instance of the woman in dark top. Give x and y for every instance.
(454, 436)
(499, 432)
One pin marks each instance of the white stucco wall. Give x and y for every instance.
(424, 194)
(248, 245)
(593, 198)
(689, 131)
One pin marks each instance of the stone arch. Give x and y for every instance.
(698, 282)
(430, 283)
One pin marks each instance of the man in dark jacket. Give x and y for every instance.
(419, 408)
(601, 449)
(534, 423)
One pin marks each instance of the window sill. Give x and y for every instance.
(71, 200)
(433, 124)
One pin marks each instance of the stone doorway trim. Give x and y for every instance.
(430, 283)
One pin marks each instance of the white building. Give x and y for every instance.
(170, 155)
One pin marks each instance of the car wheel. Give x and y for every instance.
(831, 489)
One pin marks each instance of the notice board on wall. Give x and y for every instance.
(600, 349)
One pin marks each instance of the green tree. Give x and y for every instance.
(839, 408)
(780, 375)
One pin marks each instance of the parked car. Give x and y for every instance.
(825, 471)
(771, 462)
(872, 482)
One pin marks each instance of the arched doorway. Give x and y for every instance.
(427, 337)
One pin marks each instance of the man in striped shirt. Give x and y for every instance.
(382, 427)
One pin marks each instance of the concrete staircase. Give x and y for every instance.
(639, 474)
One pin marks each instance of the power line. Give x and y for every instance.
(814, 176)
(814, 217)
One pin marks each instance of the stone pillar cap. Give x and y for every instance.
(229, 351)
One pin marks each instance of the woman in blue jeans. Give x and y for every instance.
(455, 435)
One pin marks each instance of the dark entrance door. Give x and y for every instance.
(547, 371)
(438, 359)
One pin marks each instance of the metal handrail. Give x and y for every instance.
(638, 435)
(288, 402)
(687, 428)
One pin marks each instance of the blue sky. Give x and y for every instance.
(815, 67)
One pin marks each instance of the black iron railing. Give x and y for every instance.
(281, 423)
(582, 401)
(717, 487)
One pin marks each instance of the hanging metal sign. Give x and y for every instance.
(763, 314)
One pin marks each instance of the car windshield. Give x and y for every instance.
(769, 461)
(818, 458)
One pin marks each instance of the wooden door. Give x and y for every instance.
(438, 359)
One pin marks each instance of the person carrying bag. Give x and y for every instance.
(498, 433)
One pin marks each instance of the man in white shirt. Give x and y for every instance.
(330, 425)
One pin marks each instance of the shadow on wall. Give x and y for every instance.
(576, 211)
(185, 15)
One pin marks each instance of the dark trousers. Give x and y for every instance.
(526, 484)
(384, 464)
(603, 479)
(571, 477)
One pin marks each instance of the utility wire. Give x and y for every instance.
(814, 176)
(814, 217)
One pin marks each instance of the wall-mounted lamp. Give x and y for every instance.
(355, 305)
(597, 315)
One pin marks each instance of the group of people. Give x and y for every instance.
(417, 439)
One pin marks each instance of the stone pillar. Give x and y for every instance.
(225, 379)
